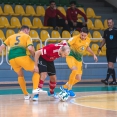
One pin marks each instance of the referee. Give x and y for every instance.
(110, 39)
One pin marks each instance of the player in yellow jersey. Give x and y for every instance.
(18, 58)
(78, 45)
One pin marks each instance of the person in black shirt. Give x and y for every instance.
(110, 39)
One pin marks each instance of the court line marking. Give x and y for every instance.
(58, 87)
(73, 101)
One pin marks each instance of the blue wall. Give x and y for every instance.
(91, 72)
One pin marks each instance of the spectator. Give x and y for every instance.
(72, 17)
(51, 17)
(110, 39)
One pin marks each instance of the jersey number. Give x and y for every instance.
(17, 40)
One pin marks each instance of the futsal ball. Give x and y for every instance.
(63, 96)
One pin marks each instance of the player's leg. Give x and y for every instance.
(52, 83)
(28, 64)
(35, 80)
(21, 80)
(39, 90)
(73, 66)
(79, 71)
(22, 84)
(43, 74)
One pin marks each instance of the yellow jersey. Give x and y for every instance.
(78, 46)
(18, 44)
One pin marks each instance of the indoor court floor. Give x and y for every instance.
(91, 101)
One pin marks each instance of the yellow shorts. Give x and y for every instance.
(22, 62)
(72, 62)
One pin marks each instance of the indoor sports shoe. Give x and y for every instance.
(113, 83)
(63, 89)
(36, 97)
(105, 82)
(53, 95)
(27, 97)
(71, 93)
(66, 90)
(38, 90)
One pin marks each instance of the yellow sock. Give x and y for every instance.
(35, 80)
(69, 84)
(22, 84)
(75, 81)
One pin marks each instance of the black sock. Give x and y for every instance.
(109, 72)
(113, 75)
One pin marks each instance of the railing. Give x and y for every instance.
(2, 56)
(39, 41)
(85, 63)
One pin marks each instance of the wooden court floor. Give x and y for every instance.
(87, 103)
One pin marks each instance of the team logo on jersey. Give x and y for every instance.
(111, 37)
(81, 49)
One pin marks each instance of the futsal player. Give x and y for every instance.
(46, 57)
(78, 45)
(18, 58)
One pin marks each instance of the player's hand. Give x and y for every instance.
(95, 58)
(98, 52)
(36, 69)
(66, 22)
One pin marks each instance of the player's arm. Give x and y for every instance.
(90, 51)
(2, 47)
(30, 46)
(36, 58)
(31, 50)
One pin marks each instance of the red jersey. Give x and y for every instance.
(72, 14)
(49, 13)
(50, 52)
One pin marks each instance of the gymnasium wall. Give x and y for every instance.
(113, 2)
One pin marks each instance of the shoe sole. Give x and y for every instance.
(34, 99)
(27, 98)
(53, 97)
(43, 92)
(73, 96)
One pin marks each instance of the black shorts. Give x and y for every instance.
(111, 55)
(79, 25)
(46, 66)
